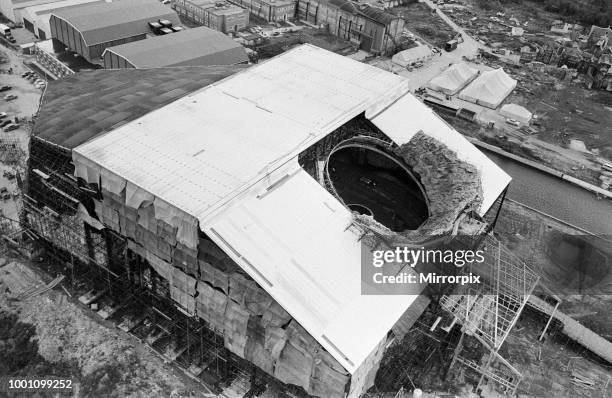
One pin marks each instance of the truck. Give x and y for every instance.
(451, 45)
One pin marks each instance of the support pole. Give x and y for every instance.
(552, 314)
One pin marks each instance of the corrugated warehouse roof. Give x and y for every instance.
(191, 47)
(235, 144)
(344, 5)
(453, 79)
(489, 89)
(378, 15)
(108, 21)
(79, 107)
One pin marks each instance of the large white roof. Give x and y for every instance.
(227, 155)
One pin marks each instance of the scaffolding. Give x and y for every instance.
(488, 311)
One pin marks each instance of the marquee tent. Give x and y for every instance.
(453, 79)
(489, 89)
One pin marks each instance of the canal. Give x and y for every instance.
(556, 197)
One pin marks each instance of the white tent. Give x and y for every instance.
(489, 89)
(453, 79)
(516, 112)
(412, 55)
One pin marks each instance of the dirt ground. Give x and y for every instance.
(420, 20)
(568, 111)
(51, 334)
(547, 365)
(532, 17)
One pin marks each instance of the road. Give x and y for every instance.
(556, 197)
(419, 77)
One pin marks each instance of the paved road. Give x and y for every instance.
(556, 197)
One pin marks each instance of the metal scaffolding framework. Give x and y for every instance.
(488, 311)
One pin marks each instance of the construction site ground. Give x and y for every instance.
(566, 111)
(476, 20)
(567, 116)
(51, 334)
(568, 261)
(548, 367)
(420, 19)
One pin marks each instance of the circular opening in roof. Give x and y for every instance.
(376, 183)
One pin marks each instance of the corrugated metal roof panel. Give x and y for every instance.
(196, 47)
(75, 109)
(102, 22)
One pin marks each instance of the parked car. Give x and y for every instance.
(3, 115)
(5, 88)
(11, 127)
(5, 122)
(4, 193)
(10, 97)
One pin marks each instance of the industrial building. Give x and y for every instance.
(218, 15)
(36, 18)
(240, 211)
(91, 28)
(270, 10)
(372, 29)
(13, 9)
(191, 47)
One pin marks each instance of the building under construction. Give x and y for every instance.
(236, 202)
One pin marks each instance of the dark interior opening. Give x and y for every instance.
(368, 180)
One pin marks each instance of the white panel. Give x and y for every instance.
(294, 242)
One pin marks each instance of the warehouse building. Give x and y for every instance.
(373, 30)
(191, 47)
(91, 28)
(36, 18)
(228, 196)
(218, 15)
(13, 9)
(270, 10)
